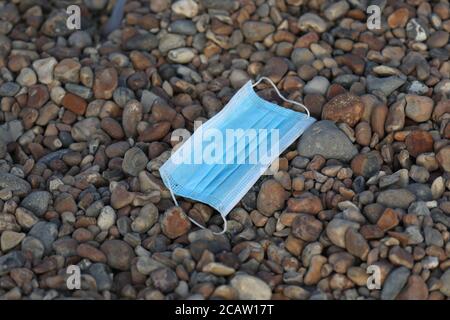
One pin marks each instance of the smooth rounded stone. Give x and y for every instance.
(386, 85)
(356, 244)
(132, 115)
(164, 279)
(107, 218)
(9, 89)
(336, 230)
(65, 247)
(119, 254)
(301, 56)
(74, 103)
(438, 39)
(346, 108)
(398, 18)
(175, 223)
(184, 27)
(27, 77)
(363, 133)
(171, 41)
(37, 202)
(11, 260)
(336, 10)
(366, 164)
(415, 289)
(102, 275)
(250, 288)
(421, 191)
(317, 85)
(416, 30)
(181, 55)
(275, 69)
(419, 174)
(311, 21)
(147, 217)
(67, 70)
(185, 8)
(306, 227)
(394, 283)
(134, 161)
(238, 78)
(388, 220)
(84, 129)
(305, 203)
(46, 232)
(396, 198)
(44, 69)
(443, 157)
(10, 239)
(400, 257)
(255, 31)
(218, 269)
(37, 96)
(418, 108)
(18, 186)
(325, 139)
(105, 83)
(445, 283)
(271, 197)
(65, 202)
(419, 142)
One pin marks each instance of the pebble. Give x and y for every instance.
(271, 197)
(396, 198)
(336, 230)
(37, 202)
(255, 31)
(44, 69)
(186, 8)
(418, 108)
(306, 227)
(134, 161)
(46, 233)
(175, 223)
(106, 219)
(18, 186)
(419, 142)
(394, 283)
(317, 85)
(105, 83)
(250, 288)
(10, 239)
(311, 21)
(325, 139)
(148, 216)
(118, 253)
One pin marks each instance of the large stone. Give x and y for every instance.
(271, 197)
(251, 288)
(37, 202)
(118, 253)
(394, 283)
(345, 107)
(396, 198)
(18, 186)
(325, 139)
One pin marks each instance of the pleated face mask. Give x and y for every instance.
(226, 155)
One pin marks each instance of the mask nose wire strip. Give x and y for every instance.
(225, 224)
(280, 95)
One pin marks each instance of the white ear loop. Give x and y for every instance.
(280, 95)
(225, 224)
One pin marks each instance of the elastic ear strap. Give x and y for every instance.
(280, 95)
(225, 224)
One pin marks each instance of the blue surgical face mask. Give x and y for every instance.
(226, 155)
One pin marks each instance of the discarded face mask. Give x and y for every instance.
(255, 131)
